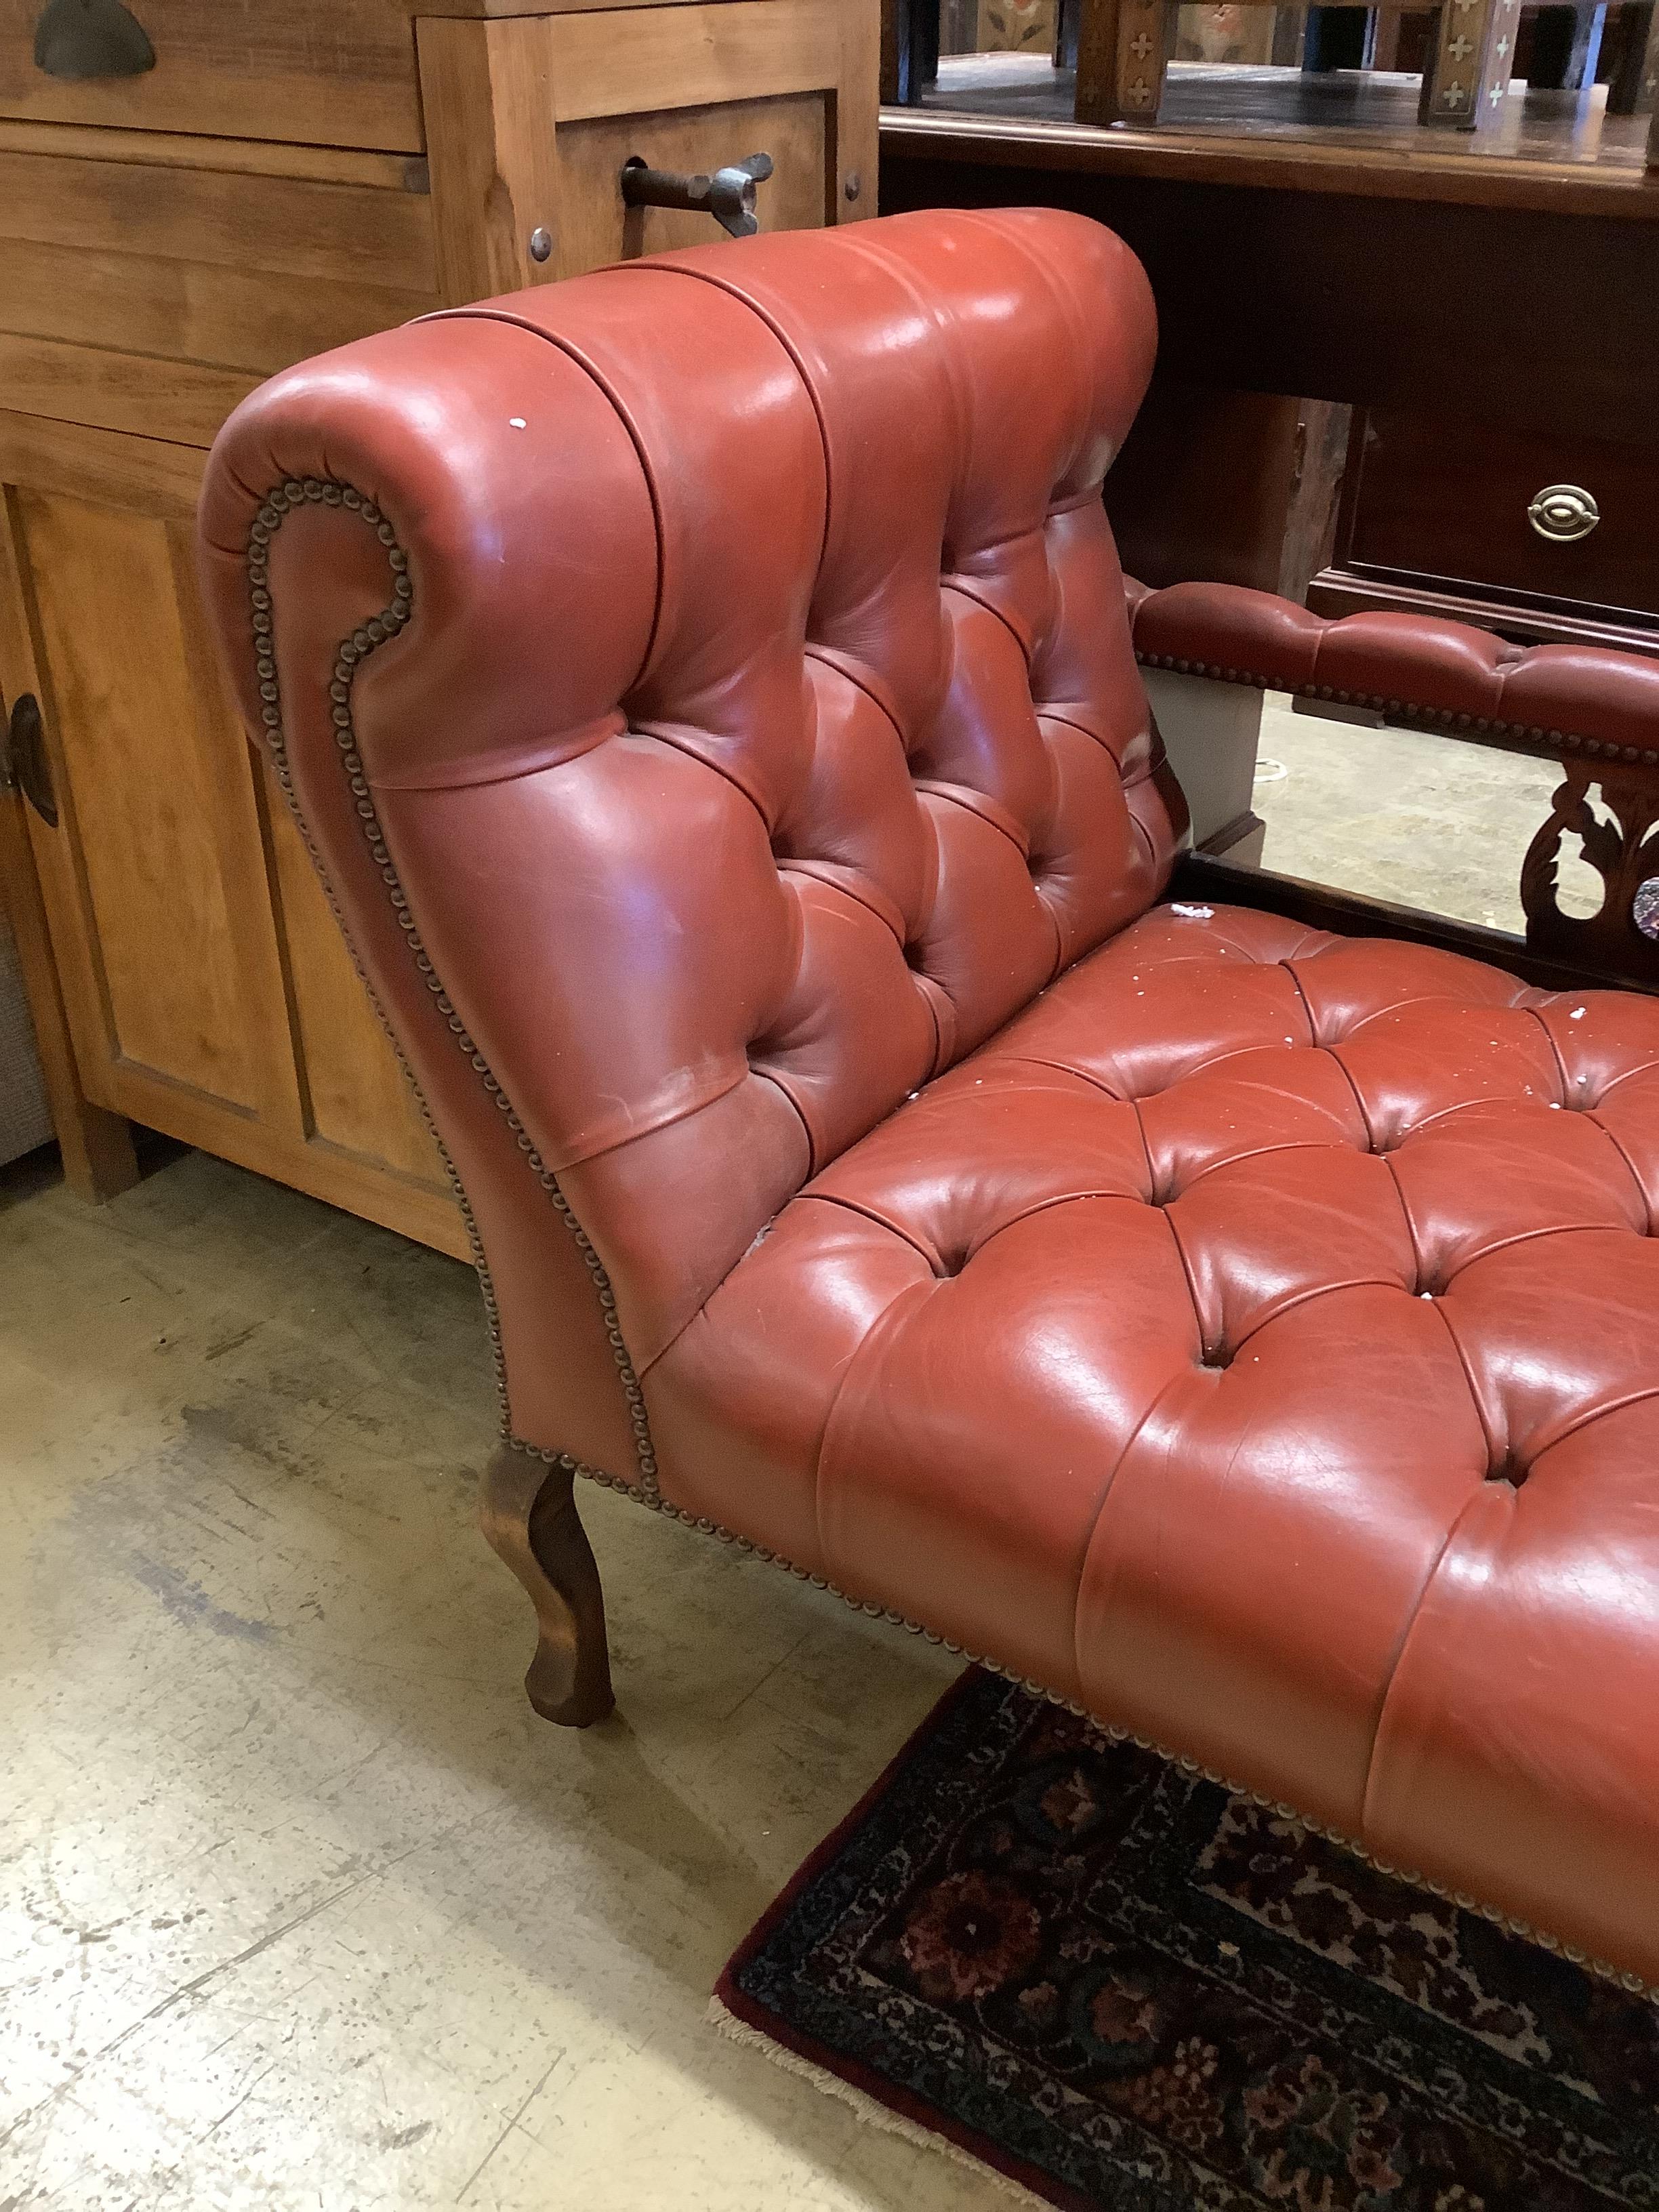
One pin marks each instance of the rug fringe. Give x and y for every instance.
(869, 2109)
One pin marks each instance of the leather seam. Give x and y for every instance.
(1629, 1167)
(1314, 1037)
(952, 580)
(282, 498)
(872, 1347)
(1414, 1247)
(768, 322)
(877, 1221)
(1106, 1489)
(486, 315)
(1145, 1153)
(1306, 1298)
(1553, 1229)
(1193, 1299)
(1533, 1014)
(658, 736)
(1401, 1643)
(1366, 1123)
(1602, 1414)
(1497, 1448)
(832, 658)
(930, 787)
(817, 872)
(650, 1128)
(1045, 713)
(1047, 1206)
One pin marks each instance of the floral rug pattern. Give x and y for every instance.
(1125, 1988)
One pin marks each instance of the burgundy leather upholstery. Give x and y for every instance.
(1409, 666)
(737, 784)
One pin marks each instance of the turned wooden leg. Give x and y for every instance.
(528, 1513)
(1123, 50)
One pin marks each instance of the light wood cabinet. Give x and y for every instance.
(288, 175)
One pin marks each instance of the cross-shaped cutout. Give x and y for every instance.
(1141, 47)
(1458, 47)
(1455, 95)
(1141, 93)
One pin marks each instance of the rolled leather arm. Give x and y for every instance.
(1443, 675)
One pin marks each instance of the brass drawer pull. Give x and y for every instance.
(1562, 513)
(79, 39)
(728, 195)
(25, 762)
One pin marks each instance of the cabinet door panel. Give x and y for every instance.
(356, 1094)
(207, 990)
(158, 803)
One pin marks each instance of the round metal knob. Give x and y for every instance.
(1564, 512)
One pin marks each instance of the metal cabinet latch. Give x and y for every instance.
(728, 195)
(24, 762)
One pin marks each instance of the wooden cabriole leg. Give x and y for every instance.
(1123, 52)
(527, 1511)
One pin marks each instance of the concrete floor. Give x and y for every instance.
(301, 1906)
(1422, 820)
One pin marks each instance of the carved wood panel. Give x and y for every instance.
(1614, 812)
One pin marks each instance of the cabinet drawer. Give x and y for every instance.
(143, 289)
(317, 72)
(1455, 507)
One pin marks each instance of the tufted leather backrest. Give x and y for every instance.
(708, 687)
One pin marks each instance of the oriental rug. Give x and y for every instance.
(1115, 1985)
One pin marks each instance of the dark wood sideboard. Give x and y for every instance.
(1491, 324)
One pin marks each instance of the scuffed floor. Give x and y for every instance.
(1397, 814)
(301, 1905)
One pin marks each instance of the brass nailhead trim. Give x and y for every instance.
(283, 500)
(1400, 710)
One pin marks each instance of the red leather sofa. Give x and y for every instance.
(709, 691)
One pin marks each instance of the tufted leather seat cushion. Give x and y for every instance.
(1255, 1340)
(708, 689)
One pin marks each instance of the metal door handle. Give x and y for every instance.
(728, 195)
(81, 39)
(25, 763)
